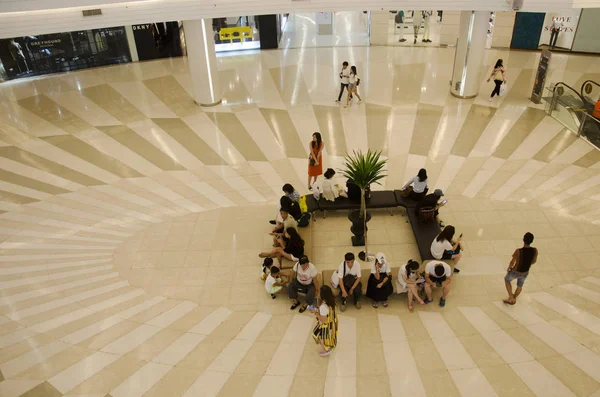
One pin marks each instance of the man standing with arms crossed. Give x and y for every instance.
(345, 76)
(518, 269)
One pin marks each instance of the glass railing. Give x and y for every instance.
(566, 106)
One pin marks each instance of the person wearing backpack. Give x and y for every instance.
(399, 19)
(349, 280)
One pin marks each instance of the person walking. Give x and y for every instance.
(315, 158)
(417, 20)
(354, 81)
(326, 331)
(499, 76)
(344, 76)
(518, 268)
(426, 21)
(399, 19)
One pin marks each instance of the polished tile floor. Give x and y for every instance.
(131, 221)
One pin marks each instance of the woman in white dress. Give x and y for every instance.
(408, 281)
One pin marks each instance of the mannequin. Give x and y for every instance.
(426, 20)
(417, 19)
(556, 26)
(399, 19)
(16, 51)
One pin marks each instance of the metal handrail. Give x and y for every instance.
(569, 87)
(585, 82)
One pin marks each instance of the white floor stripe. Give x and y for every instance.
(15, 388)
(211, 381)
(9, 245)
(583, 292)
(28, 360)
(402, 370)
(582, 318)
(77, 373)
(451, 350)
(179, 349)
(30, 257)
(541, 381)
(36, 268)
(33, 280)
(509, 349)
(212, 321)
(284, 363)
(9, 300)
(592, 280)
(581, 356)
(466, 376)
(341, 369)
(131, 340)
(56, 322)
(31, 311)
(141, 381)
(15, 337)
(172, 314)
(94, 329)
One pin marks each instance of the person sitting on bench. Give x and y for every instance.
(291, 247)
(327, 188)
(349, 280)
(438, 274)
(304, 280)
(418, 189)
(294, 196)
(432, 201)
(443, 247)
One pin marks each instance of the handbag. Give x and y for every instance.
(311, 161)
(503, 88)
(406, 192)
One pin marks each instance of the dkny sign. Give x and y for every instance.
(146, 26)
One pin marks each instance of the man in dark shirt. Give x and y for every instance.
(518, 268)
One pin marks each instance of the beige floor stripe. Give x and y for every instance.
(52, 112)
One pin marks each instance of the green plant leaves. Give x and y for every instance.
(364, 169)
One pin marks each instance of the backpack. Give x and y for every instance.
(399, 18)
(304, 220)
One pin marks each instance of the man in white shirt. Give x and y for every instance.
(349, 280)
(303, 280)
(345, 76)
(438, 274)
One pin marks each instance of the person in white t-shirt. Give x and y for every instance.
(353, 83)
(438, 274)
(328, 188)
(349, 280)
(303, 280)
(443, 247)
(379, 286)
(409, 282)
(275, 281)
(344, 77)
(419, 186)
(326, 331)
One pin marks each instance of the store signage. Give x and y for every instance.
(565, 22)
(45, 43)
(540, 76)
(146, 26)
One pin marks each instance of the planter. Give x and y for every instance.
(358, 227)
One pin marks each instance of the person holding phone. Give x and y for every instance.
(326, 331)
(443, 247)
(438, 274)
(379, 287)
(409, 281)
(345, 80)
(432, 200)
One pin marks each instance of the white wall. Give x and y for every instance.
(50, 18)
(570, 20)
(504, 22)
(379, 27)
(450, 27)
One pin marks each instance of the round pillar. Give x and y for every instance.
(202, 61)
(470, 51)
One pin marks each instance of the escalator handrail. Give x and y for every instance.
(569, 87)
(585, 82)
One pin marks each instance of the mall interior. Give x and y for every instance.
(143, 150)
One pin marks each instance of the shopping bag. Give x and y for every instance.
(503, 88)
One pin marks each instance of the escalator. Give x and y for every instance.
(574, 108)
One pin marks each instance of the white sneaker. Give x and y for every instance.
(490, 100)
(336, 101)
(360, 101)
(345, 106)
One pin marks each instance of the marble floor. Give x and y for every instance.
(131, 220)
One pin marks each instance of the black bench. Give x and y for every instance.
(379, 199)
(424, 232)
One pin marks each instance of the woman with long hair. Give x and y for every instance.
(354, 81)
(443, 247)
(408, 281)
(326, 331)
(315, 158)
(291, 247)
(419, 186)
(328, 188)
(380, 286)
(499, 76)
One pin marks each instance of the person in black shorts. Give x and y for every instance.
(518, 268)
(438, 274)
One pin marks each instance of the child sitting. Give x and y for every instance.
(275, 281)
(266, 268)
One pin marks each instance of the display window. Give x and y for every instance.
(236, 33)
(63, 52)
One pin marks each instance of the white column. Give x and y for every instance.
(202, 61)
(380, 27)
(469, 53)
(131, 43)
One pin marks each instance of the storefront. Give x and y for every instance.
(558, 30)
(236, 33)
(63, 52)
(158, 40)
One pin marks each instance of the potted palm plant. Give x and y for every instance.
(364, 169)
